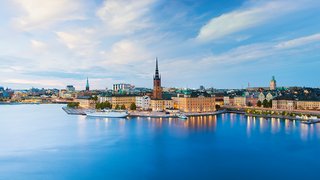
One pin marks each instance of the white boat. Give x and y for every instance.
(182, 116)
(108, 114)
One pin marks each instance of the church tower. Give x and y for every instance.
(87, 85)
(157, 89)
(273, 83)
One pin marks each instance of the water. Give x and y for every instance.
(42, 142)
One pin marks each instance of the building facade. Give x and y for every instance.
(308, 105)
(195, 104)
(161, 104)
(122, 87)
(284, 104)
(143, 102)
(123, 100)
(240, 101)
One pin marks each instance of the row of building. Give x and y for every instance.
(186, 101)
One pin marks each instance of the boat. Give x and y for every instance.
(311, 121)
(108, 114)
(182, 116)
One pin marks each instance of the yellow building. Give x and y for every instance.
(308, 105)
(86, 102)
(240, 101)
(284, 104)
(122, 100)
(195, 104)
(161, 105)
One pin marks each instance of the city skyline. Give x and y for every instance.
(215, 44)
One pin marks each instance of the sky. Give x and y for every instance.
(215, 43)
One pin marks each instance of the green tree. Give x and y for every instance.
(217, 107)
(270, 104)
(265, 103)
(133, 106)
(123, 107)
(73, 104)
(94, 98)
(259, 103)
(117, 106)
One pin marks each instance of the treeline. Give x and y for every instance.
(73, 104)
(108, 105)
(265, 103)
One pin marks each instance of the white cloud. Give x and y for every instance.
(249, 16)
(299, 41)
(124, 16)
(81, 42)
(126, 52)
(38, 44)
(42, 13)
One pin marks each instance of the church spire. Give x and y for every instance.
(156, 76)
(87, 86)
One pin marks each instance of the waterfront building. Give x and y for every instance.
(308, 105)
(157, 89)
(143, 102)
(273, 83)
(87, 85)
(285, 104)
(193, 101)
(104, 99)
(226, 100)
(86, 102)
(239, 101)
(125, 100)
(161, 104)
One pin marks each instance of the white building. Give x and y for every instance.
(143, 102)
(226, 100)
(104, 99)
(121, 87)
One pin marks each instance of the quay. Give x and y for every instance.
(73, 111)
(80, 111)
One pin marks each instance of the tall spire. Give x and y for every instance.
(87, 86)
(156, 76)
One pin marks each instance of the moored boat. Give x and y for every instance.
(108, 114)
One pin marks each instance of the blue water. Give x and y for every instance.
(43, 142)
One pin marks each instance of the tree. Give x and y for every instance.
(94, 98)
(259, 103)
(73, 104)
(133, 106)
(217, 107)
(123, 107)
(117, 106)
(249, 104)
(270, 104)
(265, 103)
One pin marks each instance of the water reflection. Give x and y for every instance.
(252, 124)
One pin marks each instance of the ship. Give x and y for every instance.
(108, 114)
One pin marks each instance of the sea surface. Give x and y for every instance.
(43, 142)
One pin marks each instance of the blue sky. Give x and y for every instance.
(221, 44)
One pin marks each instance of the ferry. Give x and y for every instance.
(108, 114)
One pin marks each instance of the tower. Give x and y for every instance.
(157, 89)
(87, 86)
(273, 83)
